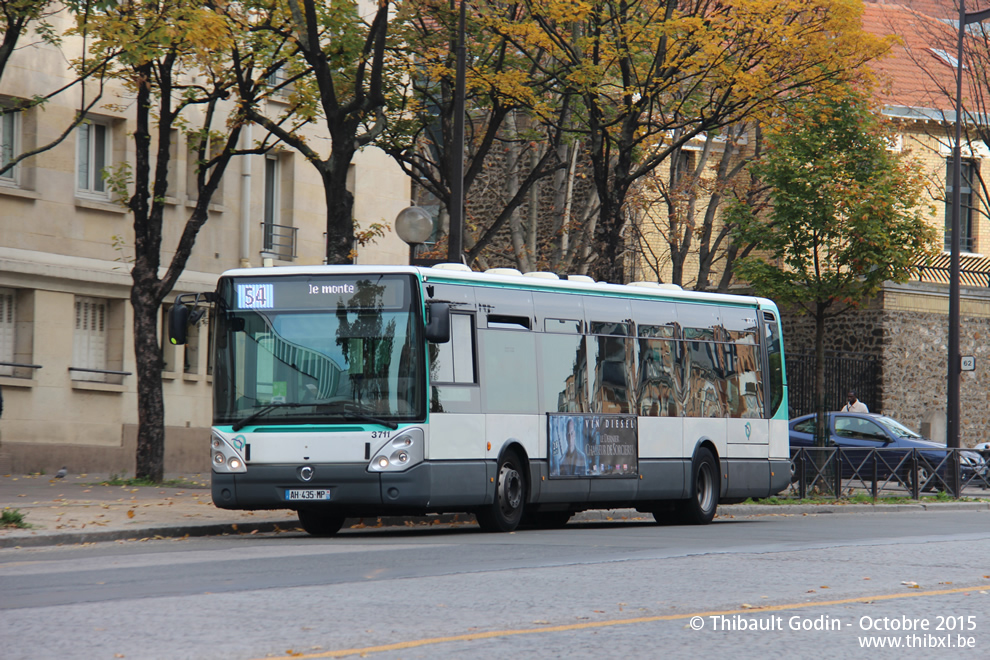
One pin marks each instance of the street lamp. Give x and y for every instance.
(414, 226)
(455, 238)
(955, 356)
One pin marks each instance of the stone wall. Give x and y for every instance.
(915, 372)
(907, 328)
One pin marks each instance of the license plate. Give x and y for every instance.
(309, 494)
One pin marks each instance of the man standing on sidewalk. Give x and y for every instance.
(854, 405)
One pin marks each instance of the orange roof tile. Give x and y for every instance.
(921, 68)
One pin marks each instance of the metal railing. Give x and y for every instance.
(841, 471)
(973, 271)
(110, 376)
(279, 241)
(16, 369)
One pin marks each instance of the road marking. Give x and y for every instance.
(400, 646)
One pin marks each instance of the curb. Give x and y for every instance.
(141, 534)
(597, 515)
(225, 529)
(815, 509)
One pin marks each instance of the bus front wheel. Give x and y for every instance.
(699, 508)
(505, 513)
(320, 523)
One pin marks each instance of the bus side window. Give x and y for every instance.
(510, 371)
(565, 370)
(452, 363)
(771, 335)
(658, 394)
(612, 360)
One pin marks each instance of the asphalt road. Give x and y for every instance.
(736, 588)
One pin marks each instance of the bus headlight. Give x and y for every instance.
(226, 459)
(400, 452)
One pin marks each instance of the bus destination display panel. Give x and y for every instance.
(329, 293)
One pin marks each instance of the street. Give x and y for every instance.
(745, 587)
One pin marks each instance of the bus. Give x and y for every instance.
(360, 391)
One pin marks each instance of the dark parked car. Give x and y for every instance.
(858, 433)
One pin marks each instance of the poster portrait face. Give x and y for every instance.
(593, 445)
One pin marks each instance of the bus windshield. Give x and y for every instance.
(318, 349)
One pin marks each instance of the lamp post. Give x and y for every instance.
(955, 356)
(455, 237)
(414, 226)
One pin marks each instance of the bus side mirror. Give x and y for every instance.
(438, 328)
(178, 321)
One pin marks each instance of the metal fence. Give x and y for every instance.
(843, 372)
(841, 471)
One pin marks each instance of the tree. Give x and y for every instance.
(846, 215)
(513, 136)
(652, 76)
(679, 208)
(170, 56)
(341, 81)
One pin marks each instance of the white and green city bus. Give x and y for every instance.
(360, 391)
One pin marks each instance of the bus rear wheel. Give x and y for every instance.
(320, 523)
(505, 513)
(699, 508)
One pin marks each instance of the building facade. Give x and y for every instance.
(66, 350)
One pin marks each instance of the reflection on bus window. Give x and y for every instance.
(565, 373)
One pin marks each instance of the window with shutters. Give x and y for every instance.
(89, 350)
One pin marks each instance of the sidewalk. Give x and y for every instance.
(79, 509)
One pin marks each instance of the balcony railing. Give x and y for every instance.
(973, 271)
(279, 241)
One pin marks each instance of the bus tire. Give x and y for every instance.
(505, 513)
(699, 508)
(320, 523)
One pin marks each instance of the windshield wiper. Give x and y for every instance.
(264, 410)
(352, 408)
(349, 407)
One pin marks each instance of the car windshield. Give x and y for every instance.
(899, 429)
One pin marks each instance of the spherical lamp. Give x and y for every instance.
(414, 225)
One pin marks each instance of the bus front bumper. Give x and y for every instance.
(351, 488)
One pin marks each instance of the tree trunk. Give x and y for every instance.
(533, 214)
(512, 164)
(826, 462)
(821, 435)
(608, 267)
(150, 459)
(340, 210)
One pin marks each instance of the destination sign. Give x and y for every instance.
(308, 292)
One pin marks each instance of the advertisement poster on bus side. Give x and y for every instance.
(593, 445)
